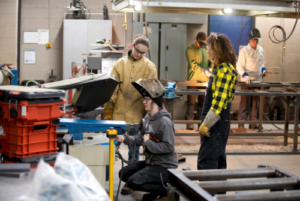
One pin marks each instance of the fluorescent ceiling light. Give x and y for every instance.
(227, 10)
(137, 7)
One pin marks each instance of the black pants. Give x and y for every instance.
(148, 178)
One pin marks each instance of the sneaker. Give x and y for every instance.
(126, 190)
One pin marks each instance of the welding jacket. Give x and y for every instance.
(163, 152)
(251, 61)
(126, 102)
(197, 60)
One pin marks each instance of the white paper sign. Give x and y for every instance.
(107, 66)
(30, 37)
(43, 36)
(29, 56)
(149, 30)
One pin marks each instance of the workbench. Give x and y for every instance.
(286, 96)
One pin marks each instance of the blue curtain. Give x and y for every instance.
(231, 26)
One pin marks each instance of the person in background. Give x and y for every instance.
(158, 139)
(251, 67)
(126, 104)
(198, 64)
(215, 126)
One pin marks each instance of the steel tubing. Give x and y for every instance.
(239, 134)
(213, 175)
(293, 195)
(255, 184)
(62, 131)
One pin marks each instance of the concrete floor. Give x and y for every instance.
(289, 163)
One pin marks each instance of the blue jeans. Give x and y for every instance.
(137, 150)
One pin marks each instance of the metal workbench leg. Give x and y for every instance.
(261, 112)
(296, 122)
(252, 126)
(286, 122)
(169, 106)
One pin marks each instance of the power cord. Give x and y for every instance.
(284, 38)
(129, 127)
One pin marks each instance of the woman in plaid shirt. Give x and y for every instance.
(215, 126)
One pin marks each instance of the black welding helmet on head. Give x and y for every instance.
(254, 34)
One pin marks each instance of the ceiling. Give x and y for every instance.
(255, 8)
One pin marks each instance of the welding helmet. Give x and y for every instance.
(201, 40)
(254, 34)
(151, 88)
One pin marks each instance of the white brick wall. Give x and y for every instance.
(49, 14)
(8, 31)
(289, 70)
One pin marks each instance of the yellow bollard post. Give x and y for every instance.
(111, 134)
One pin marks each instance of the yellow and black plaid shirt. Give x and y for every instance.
(223, 87)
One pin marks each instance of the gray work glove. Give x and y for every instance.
(211, 119)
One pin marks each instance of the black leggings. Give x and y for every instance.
(148, 178)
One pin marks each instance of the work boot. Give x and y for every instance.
(190, 127)
(149, 197)
(126, 190)
(161, 199)
(241, 125)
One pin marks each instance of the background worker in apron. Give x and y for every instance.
(215, 126)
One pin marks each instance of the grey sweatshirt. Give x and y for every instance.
(163, 151)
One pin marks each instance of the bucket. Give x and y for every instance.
(78, 69)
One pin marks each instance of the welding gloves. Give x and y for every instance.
(264, 72)
(246, 78)
(108, 114)
(210, 120)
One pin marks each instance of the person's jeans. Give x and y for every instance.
(137, 150)
(246, 105)
(191, 102)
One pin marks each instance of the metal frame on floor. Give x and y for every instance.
(282, 185)
(287, 96)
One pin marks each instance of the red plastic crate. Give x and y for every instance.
(24, 138)
(32, 112)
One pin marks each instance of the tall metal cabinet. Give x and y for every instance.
(78, 37)
(170, 42)
(153, 31)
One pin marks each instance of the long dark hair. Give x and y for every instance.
(220, 50)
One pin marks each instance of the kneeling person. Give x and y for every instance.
(150, 175)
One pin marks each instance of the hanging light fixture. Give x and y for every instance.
(227, 10)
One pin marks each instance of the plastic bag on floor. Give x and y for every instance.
(69, 180)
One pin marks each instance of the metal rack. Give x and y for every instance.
(282, 185)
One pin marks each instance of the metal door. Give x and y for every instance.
(152, 36)
(172, 57)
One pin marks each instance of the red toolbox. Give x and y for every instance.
(28, 120)
(31, 104)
